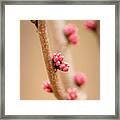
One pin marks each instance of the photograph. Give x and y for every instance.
(59, 59)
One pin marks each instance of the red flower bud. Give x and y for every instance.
(90, 24)
(64, 67)
(72, 94)
(73, 38)
(80, 79)
(69, 29)
(47, 86)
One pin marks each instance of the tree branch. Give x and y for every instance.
(56, 87)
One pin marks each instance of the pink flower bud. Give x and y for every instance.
(47, 86)
(71, 94)
(80, 79)
(61, 58)
(73, 38)
(62, 66)
(65, 69)
(90, 24)
(55, 59)
(57, 63)
(69, 29)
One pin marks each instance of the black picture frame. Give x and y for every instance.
(79, 2)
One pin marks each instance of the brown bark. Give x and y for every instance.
(57, 89)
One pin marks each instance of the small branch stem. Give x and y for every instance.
(57, 89)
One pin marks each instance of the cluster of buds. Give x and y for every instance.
(58, 62)
(47, 86)
(71, 94)
(90, 24)
(80, 78)
(70, 31)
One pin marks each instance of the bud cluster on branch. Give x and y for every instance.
(58, 62)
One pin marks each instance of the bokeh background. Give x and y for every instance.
(85, 56)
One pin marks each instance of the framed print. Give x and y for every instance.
(60, 60)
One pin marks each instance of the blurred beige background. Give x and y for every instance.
(86, 58)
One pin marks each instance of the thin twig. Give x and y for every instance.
(57, 89)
